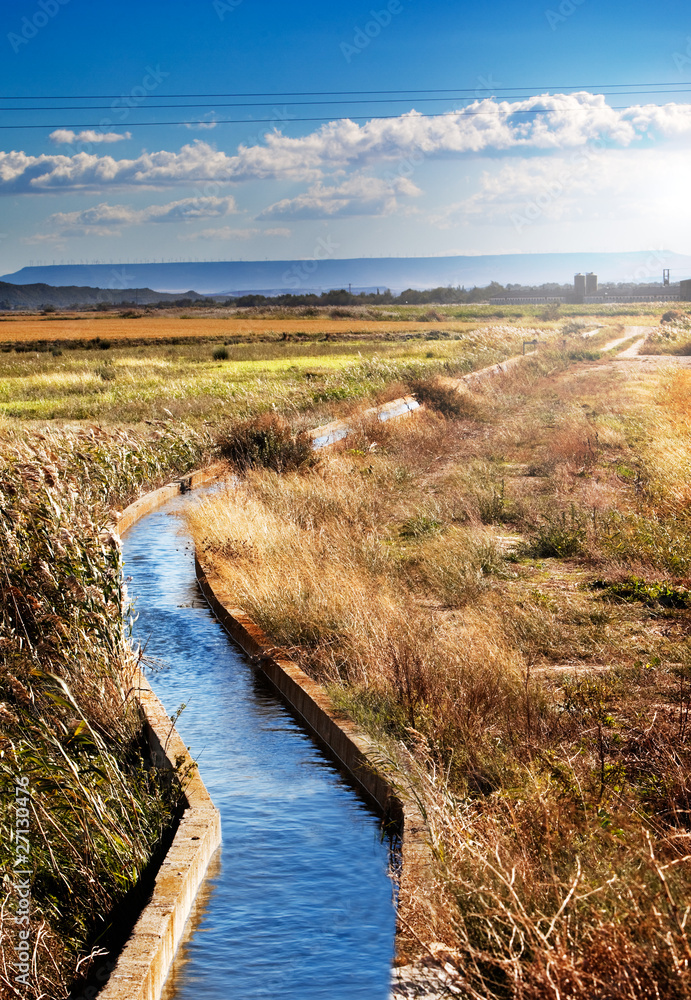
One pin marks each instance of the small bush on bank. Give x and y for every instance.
(659, 594)
(573, 327)
(267, 442)
(220, 353)
(551, 312)
(582, 354)
(560, 536)
(675, 316)
(450, 402)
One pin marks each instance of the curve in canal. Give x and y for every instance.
(298, 903)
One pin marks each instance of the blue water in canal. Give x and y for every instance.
(298, 903)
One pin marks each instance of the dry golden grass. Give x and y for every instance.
(70, 728)
(542, 700)
(162, 327)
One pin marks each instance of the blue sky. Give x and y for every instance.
(517, 162)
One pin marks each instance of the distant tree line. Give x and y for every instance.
(442, 295)
(445, 295)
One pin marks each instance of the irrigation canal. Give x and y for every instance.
(298, 903)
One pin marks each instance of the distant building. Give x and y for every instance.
(586, 292)
(527, 299)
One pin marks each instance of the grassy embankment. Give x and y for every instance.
(499, 593)
(75, 779)
(673, 336)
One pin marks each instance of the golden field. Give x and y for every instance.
(34, 328)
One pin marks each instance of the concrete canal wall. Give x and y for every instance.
(144, 963)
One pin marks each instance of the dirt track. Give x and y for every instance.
(631, 358)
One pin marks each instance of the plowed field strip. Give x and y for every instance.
(153, 327)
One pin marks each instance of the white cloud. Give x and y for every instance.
(224, 233)
(108, 220)
(228, 233)
(90, 135)
(207, 121)
(57, 240)
(588, 186)
(359, 195)
(188, 209)
(541, 123)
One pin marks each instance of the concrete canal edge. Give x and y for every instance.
(338, 430)
(346, 744)
(145, 960)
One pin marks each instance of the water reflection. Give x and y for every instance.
(298, 903)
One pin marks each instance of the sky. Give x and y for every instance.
(253, 129)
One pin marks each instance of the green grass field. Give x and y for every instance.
(129, 384)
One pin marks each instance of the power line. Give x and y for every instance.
(380, 100)
(335, 93)
(353, 118)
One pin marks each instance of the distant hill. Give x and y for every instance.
(35, 296)
(397, 273)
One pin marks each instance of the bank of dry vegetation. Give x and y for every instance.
(498, 590)
(672, 336)
(75, 776)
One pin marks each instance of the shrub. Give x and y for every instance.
(267, 442)
(551, 312)
(673, 316)
(450, 402)
(107, 372)
(573, 326)
(220, 353)
(661, 594)
(581, 354)
(559, 536)
(420, 526)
